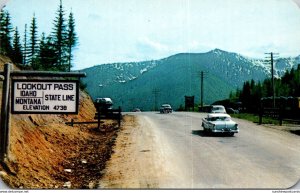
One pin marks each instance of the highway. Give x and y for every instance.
(171, 151)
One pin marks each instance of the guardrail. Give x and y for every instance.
(295, 121)
(101, 114)
(276, 113)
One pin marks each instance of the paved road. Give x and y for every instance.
(257, 157)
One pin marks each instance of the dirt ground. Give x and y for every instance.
(45, 153)
(292, 128)
(134, 163)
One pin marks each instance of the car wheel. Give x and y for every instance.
(231, 134)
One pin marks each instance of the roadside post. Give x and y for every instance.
(113, 114)
(260, 116)
(98, 117)
(119, 117)
(189, 102)
(36, 96)
(4, 122)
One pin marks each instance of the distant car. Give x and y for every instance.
(103, 103)
(219, 123)
(165, 108)
(232, 111)
(136, 110)
(217, 109)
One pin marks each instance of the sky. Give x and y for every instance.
(112, 31)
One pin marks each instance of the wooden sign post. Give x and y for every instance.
(36, 96)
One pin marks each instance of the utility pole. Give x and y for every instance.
(202, 76)
(201, 99)
(271, 60)
(156, 93)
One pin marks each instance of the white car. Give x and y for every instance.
(219, 123)
(218, 109)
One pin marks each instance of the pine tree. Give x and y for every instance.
(72, 39)
(5, 31)
(297, 81)
(288, 86)
(245, 96)
(25, 47)
(256, 95)
(47, 56)
(2, 33)
(33, 45)
(17, 55)
(267, 88)
(59, 36)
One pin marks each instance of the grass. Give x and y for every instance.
(255, 118)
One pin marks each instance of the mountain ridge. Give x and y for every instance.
(130, 84)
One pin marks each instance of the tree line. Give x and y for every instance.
(252, 92)
(53, 52)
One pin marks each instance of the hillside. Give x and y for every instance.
(46, 153)
(131, 85)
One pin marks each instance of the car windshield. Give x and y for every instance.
(217, 108)
(219, 119)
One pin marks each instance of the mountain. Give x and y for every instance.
(132, 85)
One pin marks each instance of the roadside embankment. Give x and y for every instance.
(45, 153)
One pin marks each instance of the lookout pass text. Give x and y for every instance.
(44, 96)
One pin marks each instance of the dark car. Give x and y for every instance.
(103, 103)
(165, 108)
(136, 110)
(232, 111)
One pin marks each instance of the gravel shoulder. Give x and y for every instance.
(134, 163)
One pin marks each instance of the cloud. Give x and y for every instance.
(135, 30)
(149, 44)
(297, 2)
(2, 3)
(94, 16)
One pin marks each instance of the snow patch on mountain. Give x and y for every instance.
(143, 70)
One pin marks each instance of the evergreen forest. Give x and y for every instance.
(287, 86)
(39, 51)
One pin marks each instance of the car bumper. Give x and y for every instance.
(224, 131)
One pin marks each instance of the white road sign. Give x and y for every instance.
(45, 96)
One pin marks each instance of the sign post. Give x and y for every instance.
(4, 130)
(36, 96)
(189, 102)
